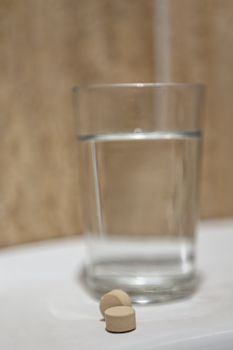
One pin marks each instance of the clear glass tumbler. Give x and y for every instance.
(139, 147)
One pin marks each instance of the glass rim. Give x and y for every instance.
(180, 85)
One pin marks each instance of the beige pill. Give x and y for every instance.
(120, 319)
(116, 297)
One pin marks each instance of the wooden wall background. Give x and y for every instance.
(48, 46)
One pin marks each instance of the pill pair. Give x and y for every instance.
(116, 307)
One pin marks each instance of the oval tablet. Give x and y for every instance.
(120, 319)
(116, 297)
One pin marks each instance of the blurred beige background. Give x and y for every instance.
(48, 46)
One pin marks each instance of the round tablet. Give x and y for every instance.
(116, 297)
(120, 319)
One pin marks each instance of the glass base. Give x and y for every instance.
(143, 290)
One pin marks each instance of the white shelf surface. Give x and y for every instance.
(44, 307)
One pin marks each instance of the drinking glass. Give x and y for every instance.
(139, 150)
